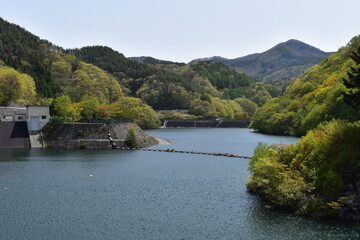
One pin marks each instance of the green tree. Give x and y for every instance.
(89, 106)
(142, 114)
(352, 82)
(61, 107)
(202, 108)
(131, 139)
(16, 87)
(311, 175)
(315, 96)
(247, 105)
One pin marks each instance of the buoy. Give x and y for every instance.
(91, 176)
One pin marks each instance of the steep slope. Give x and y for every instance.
(284, 61)
(168, 85)
(54, 72)
(26, 53)
(104, 74)
(313, 98)
(222, 76)
(112, 61)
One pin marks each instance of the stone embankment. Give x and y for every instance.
(93, 136)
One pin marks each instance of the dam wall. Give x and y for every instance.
(206, 123)
(14, 135)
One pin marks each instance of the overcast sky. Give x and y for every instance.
(182, 30)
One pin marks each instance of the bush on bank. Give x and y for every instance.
(313, 175)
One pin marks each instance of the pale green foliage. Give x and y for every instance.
(76, 79)
(134, 108)
(61, 108)
(163, 94)
(202, 108)
(92, 81)
(313, 98)
(89, 106)
(216, 108)
(316, 170)
(16, 87)
(247, 105)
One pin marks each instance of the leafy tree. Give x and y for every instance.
(247, 105)
(202, 108)
(221, 76)
(311, 175)
(314, 97)
(111, 111)
(16, 87)
(134, 108)
(131, 139)
(61, 107)
(89, 106)
(9, 86)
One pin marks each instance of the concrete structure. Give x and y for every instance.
(37, 116)
(20, 127)
(14, 135)
(12, 114)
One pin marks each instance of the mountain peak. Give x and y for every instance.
(286, 60)
(300, 47)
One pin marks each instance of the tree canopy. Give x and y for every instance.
(315, 97)
(352, 82)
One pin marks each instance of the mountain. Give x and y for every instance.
(169, 85)
(313, 98)
(36, 70)
(282, 62)
(25, 58)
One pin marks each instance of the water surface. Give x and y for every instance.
(48, 194)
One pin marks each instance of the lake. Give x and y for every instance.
(49, 194)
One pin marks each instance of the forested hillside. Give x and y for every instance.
(72, 80)
(26, 53)
(167, 85)
(319, 175)
(313, 98)
(54, 72)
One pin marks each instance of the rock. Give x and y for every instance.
(351, 203)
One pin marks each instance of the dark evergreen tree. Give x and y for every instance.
(352, 82)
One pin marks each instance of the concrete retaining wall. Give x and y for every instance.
(207, 123)
(92, 135)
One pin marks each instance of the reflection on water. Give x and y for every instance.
(48, 194)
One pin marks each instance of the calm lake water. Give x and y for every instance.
(47, 194)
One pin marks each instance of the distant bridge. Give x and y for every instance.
(194, 152)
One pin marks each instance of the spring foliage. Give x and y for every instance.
(315, 97)
(16, 87)
(306, 176)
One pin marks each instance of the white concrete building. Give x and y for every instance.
(12, 114)
(37, 116)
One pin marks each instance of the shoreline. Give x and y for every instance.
(163, 141)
